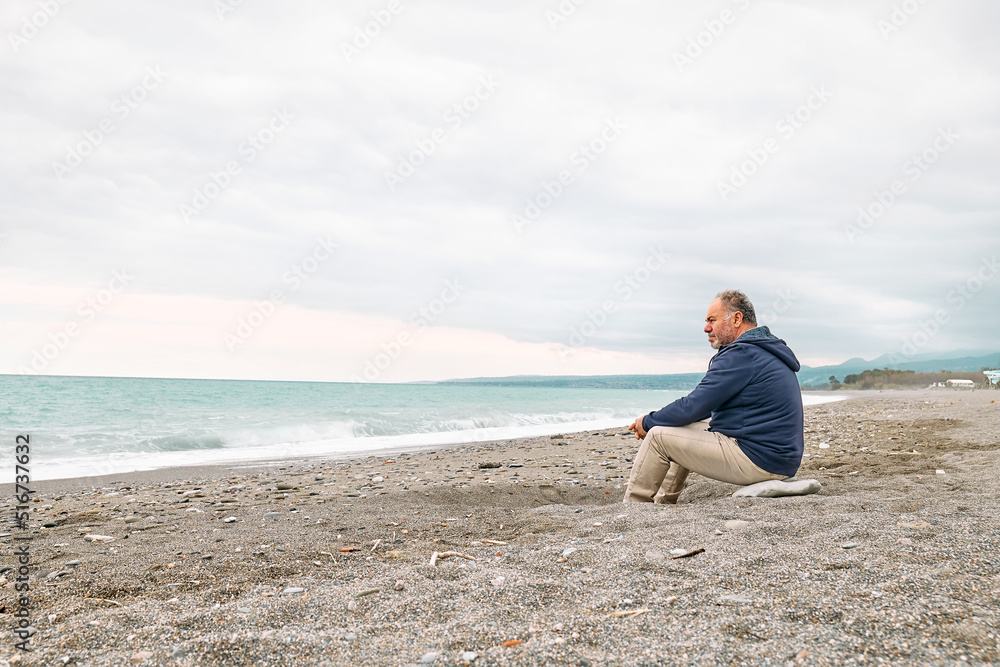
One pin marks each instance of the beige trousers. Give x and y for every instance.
(669, 453)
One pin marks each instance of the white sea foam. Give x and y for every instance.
(338, 438)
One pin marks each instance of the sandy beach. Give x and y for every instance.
(329, 561)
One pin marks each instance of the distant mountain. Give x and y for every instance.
(929, 362)
(959, 361)
(677, 381)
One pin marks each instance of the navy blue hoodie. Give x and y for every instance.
(751, 394)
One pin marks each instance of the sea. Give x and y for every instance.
(85, 426)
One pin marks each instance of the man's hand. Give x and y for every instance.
(636, 426)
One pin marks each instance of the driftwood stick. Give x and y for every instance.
(436, 556)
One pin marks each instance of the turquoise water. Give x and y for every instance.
(83, 426)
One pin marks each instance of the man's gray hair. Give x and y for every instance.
(736, 301)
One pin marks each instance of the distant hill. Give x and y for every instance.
(931, 362)
(960, 361)
(677, 381)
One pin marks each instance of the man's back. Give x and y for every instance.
(765, 415)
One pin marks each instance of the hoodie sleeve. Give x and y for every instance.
(729, 373)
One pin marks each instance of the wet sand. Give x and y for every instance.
(328, 561)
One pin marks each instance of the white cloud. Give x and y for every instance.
(655, 185)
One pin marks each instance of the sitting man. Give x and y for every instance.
(752, 396)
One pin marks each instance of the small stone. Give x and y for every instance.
(98, 538)
(348, 636)
(566, 552)
(378, 480)
(352, 605)
(940, 472)
(736, 524)
(849, 545)
(905, 541)
(718, 532)
(469, 656)
(178, 652)
(131, 519)
(598, 524)
(678, 552)
(272, 515)
(738, 599)
(229, 519)
(141, 656)
(557, 437)
(292, 590)
(244, 610)
(285, 486)
(50, 524)
(428, 658)
(398, 586)
(72, 563)
(498, 581)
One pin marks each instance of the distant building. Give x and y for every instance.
(993, 377)
(961, 383)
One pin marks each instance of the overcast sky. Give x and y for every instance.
(396, 190)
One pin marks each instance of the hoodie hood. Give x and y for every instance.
(763, 338)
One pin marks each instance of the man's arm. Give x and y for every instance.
(729, 373)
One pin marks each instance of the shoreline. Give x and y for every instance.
(328, 560)
(166, 472)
